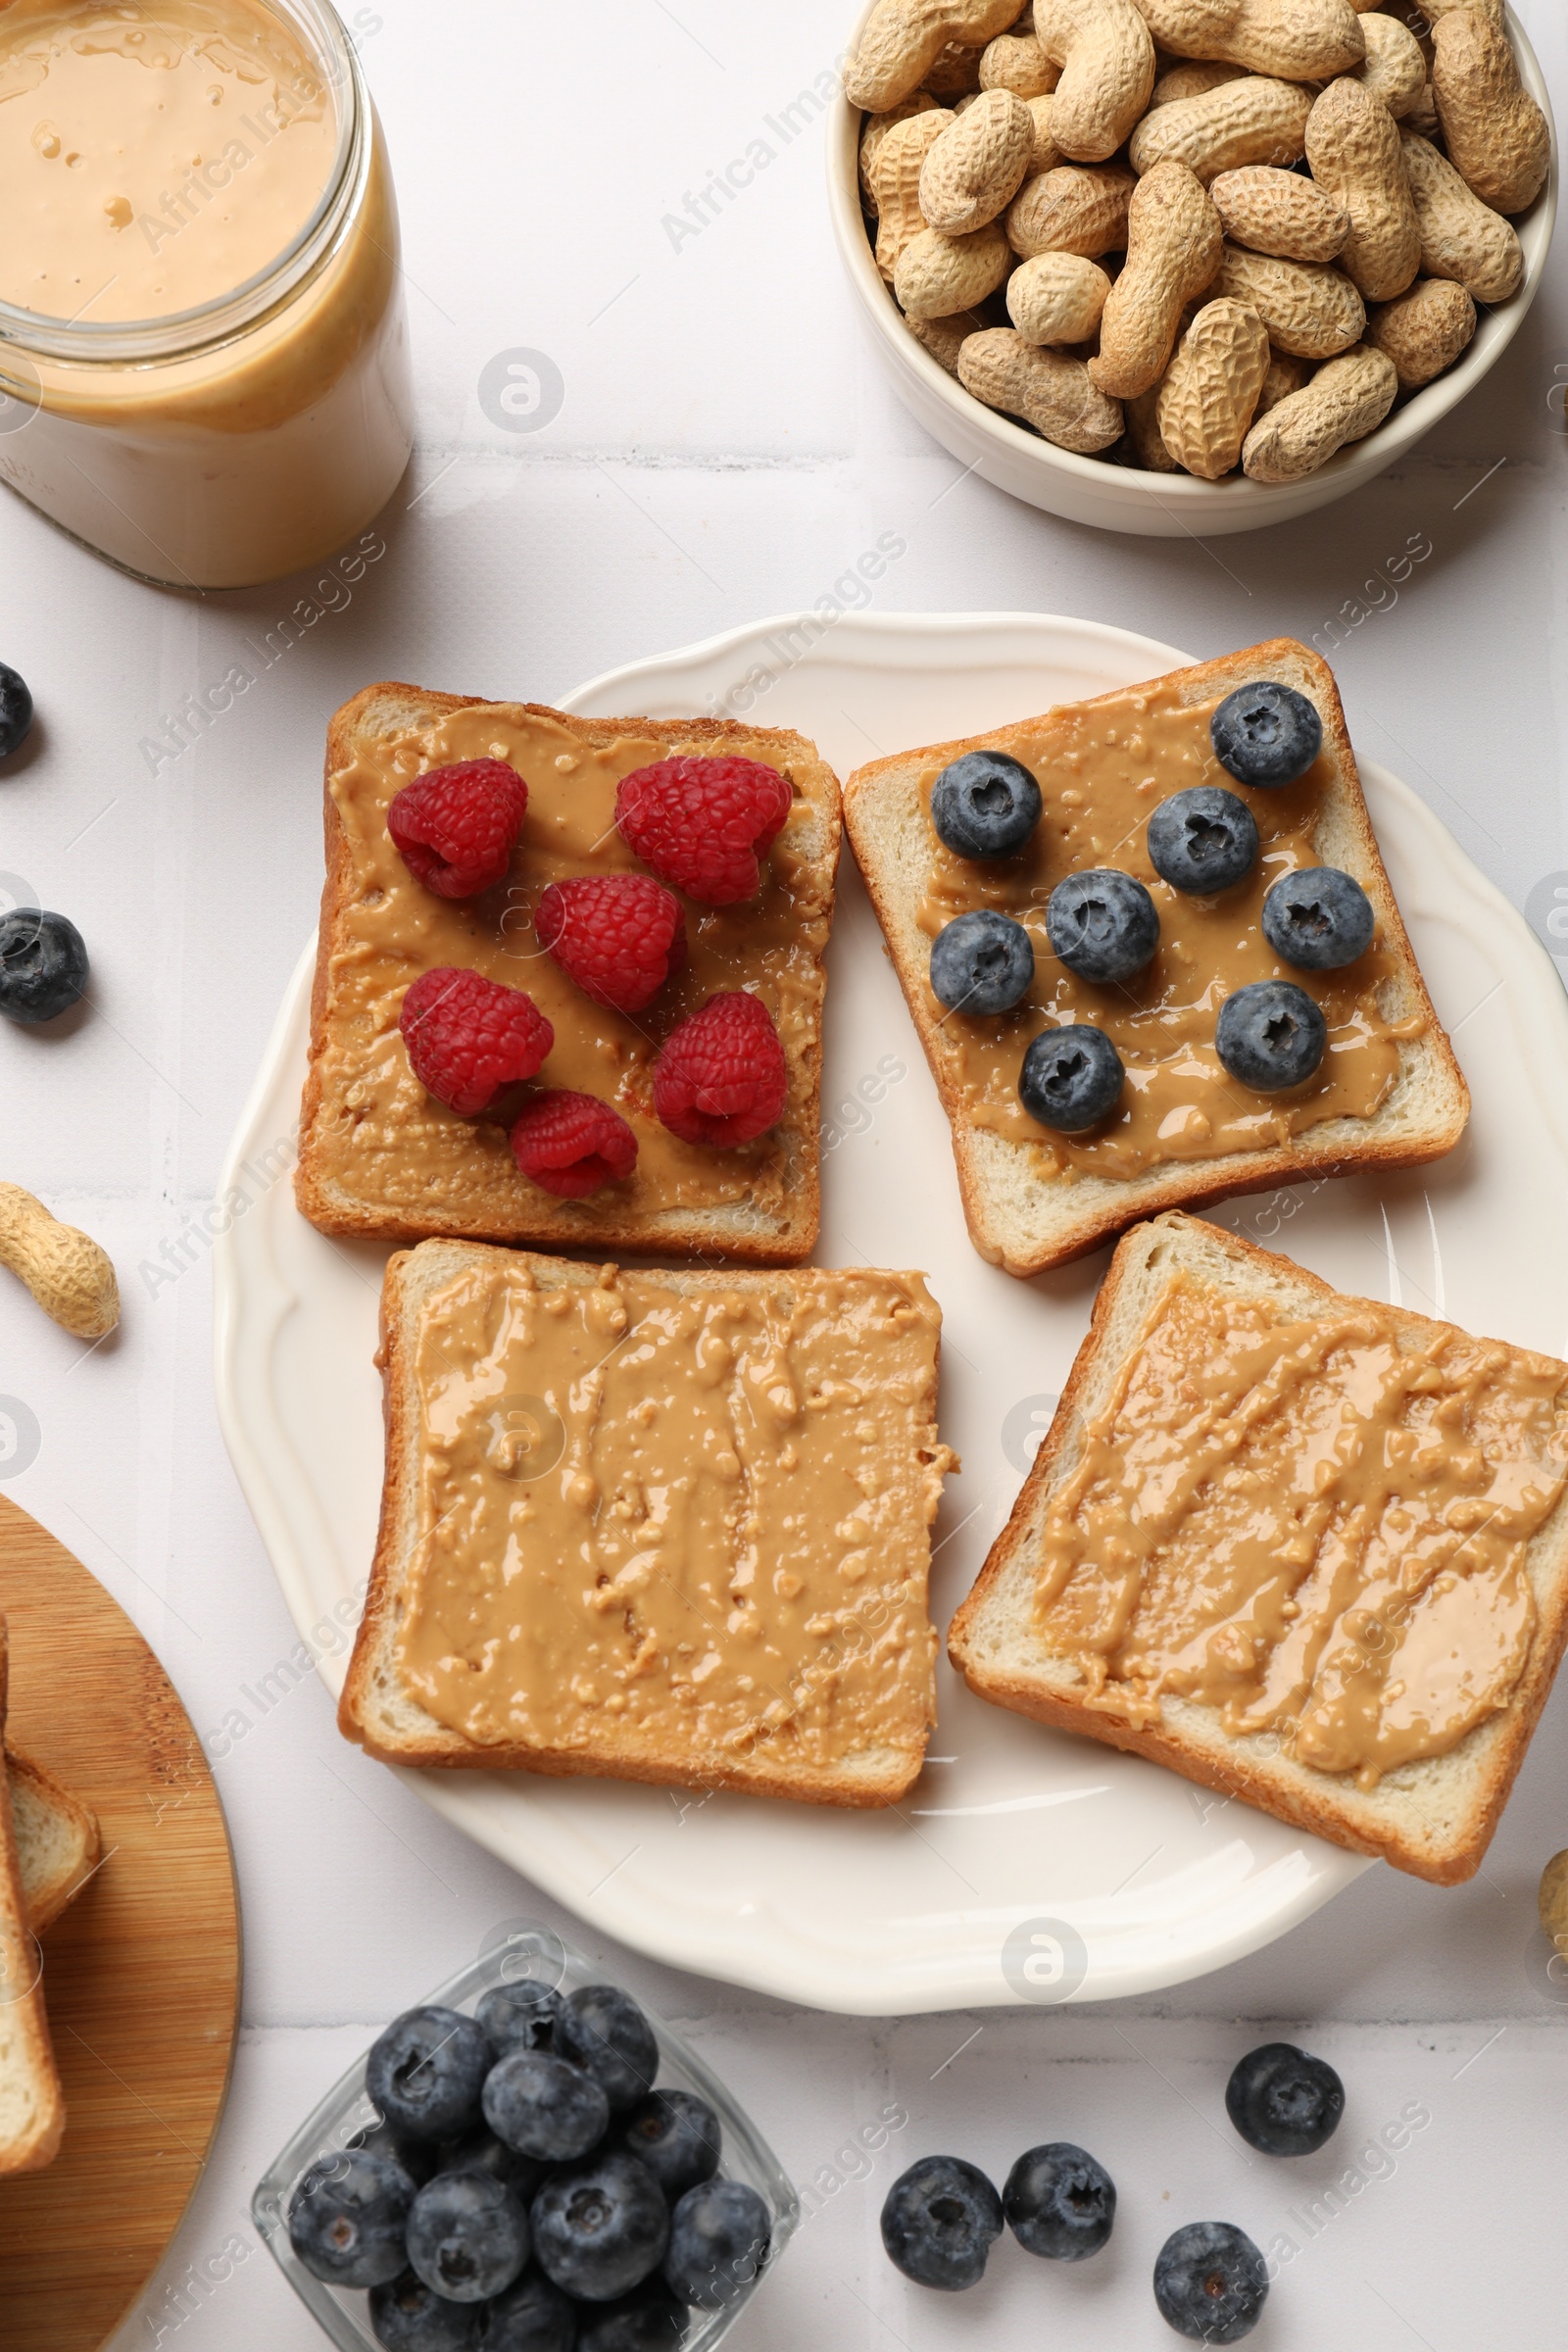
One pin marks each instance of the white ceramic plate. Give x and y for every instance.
(1143, 1880)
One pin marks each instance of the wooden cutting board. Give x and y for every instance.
(142, 1972)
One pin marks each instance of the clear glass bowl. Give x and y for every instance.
(519, 1954)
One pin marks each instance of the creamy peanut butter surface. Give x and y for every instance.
(1101, 769)
(153, 156)
(1317, 1526)
(676, 1525)
(387, 1139)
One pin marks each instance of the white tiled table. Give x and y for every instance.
(723, 451)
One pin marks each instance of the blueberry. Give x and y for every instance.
(982, 963)
(407, 2317)
(677, 2136)
(417, 2158)
(1319, 918)
(1102, 924)
(426, 2071)
(1060, 2202)
(602, 2028)
(718, 2239)
(347, 2218)
(532, 2316)
(43, 964)
(1210, 2283)
(482, 2152)
(1270, 1034)
(544, 2106)
(939, 2221)
(985, 804)
(467, 2236)
(1203, 840)
(1282, 2101)
(601, 2229)
(16, 710)
(519, 2016)
(1070, 1077)
(648, 2320)
(1267, 734)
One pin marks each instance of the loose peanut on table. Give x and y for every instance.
(1174, 244)
(1424, 331)
(975, 168)
(1346, 399)
(1310, 310)
(905, 39)
(1048, 389)
(1107, 70)
(1353, 145)
(1210, 395)
(1497, 137)
(1303, 40)
(1462, 237)
(72, 1278)
(1279, 212)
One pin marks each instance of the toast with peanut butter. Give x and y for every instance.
(1387, 1092)
(381, 1160)
(1305, 1549)
(32, 2107)
(662, 1526)
(57, 1840)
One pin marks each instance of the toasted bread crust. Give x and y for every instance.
(540, 1219)
(30, 2052)
(359, 1717)
(45, 1903)
(1109, 1206)
(1325, 1804)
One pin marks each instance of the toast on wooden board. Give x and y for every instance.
(1432, 1815)
(58, 1841)
(1034, 1200)
(380, 1159)
(626, 1570)
(32, 2108)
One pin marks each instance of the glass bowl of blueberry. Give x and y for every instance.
(527, 2161)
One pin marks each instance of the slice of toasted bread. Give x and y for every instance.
(57, 1840)
(676, 1626)
(1023, 1212)
(380, 1159)
(1432, 1815)
(32, 2107)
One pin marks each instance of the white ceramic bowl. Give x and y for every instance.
(1120, 498)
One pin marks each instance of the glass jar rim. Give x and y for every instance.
(185, 335)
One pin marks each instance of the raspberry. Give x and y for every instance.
(468, 1037)
(571, 1144)
(456, 828)
(721, 1078)
(620, 936)
(704, 824)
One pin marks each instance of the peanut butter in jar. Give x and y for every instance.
(203, 348)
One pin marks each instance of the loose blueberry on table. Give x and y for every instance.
(985, 804)
(43, 964)
(1267, 734)
(1282, 2101)
(1210, 2283)
(1102, 924)
(16, 710)
(1060, 2202)
(940, 2220)
(1271, 1035)
(1203, 840)
(1071, 1078)
(982, 963)
(1319, 918)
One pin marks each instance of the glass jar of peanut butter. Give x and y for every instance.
(203, 367)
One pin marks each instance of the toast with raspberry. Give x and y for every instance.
(695, 900)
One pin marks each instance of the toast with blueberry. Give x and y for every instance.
(466, 1079)
(1303, 1549)
(1152, 954)
(32, 2107)
(659, 1526)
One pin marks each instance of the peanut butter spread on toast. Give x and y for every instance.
(1316, 1524)
(1101, 769)
(676, 1525)
(378, 1131)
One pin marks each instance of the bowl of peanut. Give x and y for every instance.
(1189, 267)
